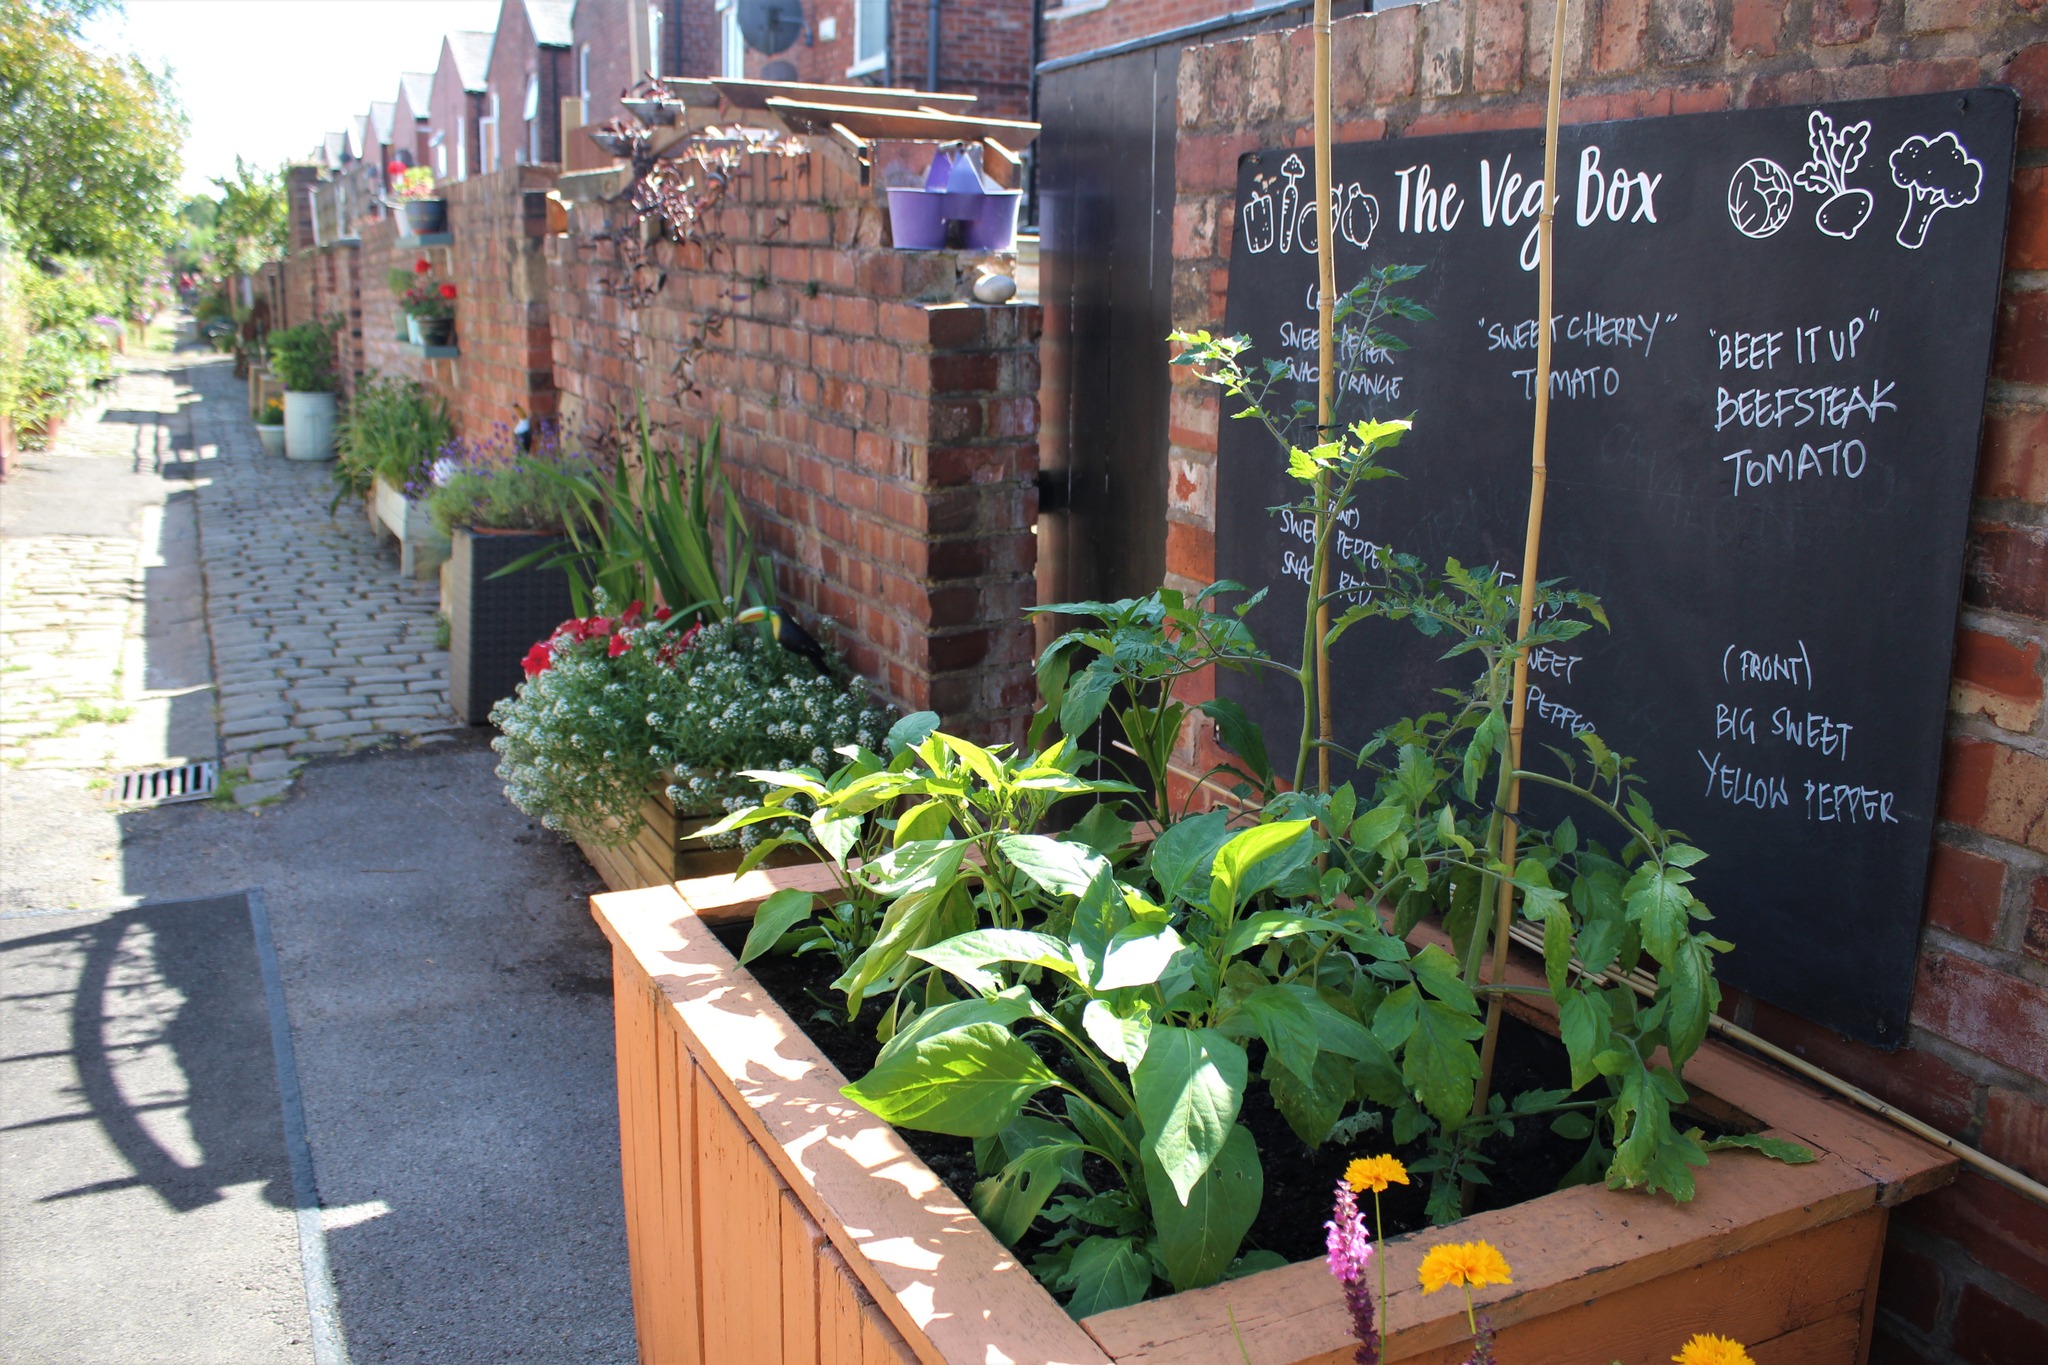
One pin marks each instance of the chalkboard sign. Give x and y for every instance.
(1770, 347)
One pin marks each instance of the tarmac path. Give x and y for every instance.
(322, 1076)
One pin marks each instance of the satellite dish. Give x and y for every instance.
(771, 26)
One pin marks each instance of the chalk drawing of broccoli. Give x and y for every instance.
(1259, 228)
(1936, 175)
(1836, 154)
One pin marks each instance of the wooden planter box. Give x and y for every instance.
(421, 547)
(771, 1219)
(665, 850)
(492, 622)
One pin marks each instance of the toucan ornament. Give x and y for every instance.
(788, 634)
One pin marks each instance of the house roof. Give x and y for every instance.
(418, 88)
(472, 53)
(358, 135)
(382, 113)
(549, 20)
(334, 149)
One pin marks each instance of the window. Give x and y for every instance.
(440, 146)
(732, 49)
(870, 36)
(583, 79)
(654, 41)
(462, 155)
(487, 133)
(530, 153)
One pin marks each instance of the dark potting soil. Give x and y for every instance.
(1299, 1181)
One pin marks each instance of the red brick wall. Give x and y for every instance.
(1966, 1275)
(885, 446)
(1076, 28)
(984, 50)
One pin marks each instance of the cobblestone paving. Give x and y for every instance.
(319, 646)
(71, 602)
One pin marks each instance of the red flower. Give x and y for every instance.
(422, 266)
(662, 613)
(447, 291)
(537, 659)
(631, 614)
(684, 640)
(620, 644)
(396, 168)
(596, 627)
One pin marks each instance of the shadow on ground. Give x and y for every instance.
(450, 1002)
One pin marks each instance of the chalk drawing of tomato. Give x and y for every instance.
(1759, 197)
(1836, 154)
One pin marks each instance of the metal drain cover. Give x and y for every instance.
(164, 786)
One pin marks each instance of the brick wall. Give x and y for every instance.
(1966, 1275)
(984, 50)
(1084, 25)
(885, 444)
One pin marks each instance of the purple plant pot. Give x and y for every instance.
(994, 227)
(916, 220)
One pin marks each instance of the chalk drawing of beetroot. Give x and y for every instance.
(1936, 175)
(1836, 154)
(1259, 227)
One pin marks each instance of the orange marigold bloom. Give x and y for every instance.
(1375, 1173)
(1707, 1349)
(1468, 1264)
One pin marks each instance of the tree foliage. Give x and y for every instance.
(90, 144)
(249, 219)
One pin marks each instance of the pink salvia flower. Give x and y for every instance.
(1350, 1249)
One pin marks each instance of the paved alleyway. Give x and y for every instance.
(377, 933)
(320, 646)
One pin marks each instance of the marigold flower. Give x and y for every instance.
(1375, 1173)
(447, 291)
(1707, 1349)
(422, 266)
(1467, 1264)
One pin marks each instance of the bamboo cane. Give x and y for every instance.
(1326, 384)
(1539, 477)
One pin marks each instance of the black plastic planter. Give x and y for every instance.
(493, 622)
(423, 217)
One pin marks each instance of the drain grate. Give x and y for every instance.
(164, 786)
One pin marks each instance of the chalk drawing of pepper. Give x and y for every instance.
(1936, 175)
(1836, 154)
(1258, 217)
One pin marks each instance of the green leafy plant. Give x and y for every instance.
(272, 414)
(490, 481)
(393, 429)
(657, 526)
(302, 357)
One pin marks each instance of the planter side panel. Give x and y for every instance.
(492, 622)
(727, 1265)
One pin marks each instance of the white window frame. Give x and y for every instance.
(487, 130)
(867, 66)
(583, 79)
(439, 143)
(653, 41)
(732, 48)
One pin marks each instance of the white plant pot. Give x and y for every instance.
(308, 426)
(272, 436)
(412, 330)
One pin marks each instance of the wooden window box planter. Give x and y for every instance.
(421, 546)
(771, 1219)
(667, 850)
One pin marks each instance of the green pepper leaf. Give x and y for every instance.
(1106, 1273)
(776, 916)
(1188, 1089)
(1200, 1232)
(970, 1081)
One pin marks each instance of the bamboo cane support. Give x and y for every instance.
(1326, 383)
(1539, 477)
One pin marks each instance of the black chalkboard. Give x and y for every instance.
(1770, 359)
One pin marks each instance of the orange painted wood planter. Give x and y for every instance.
(772, 1220)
